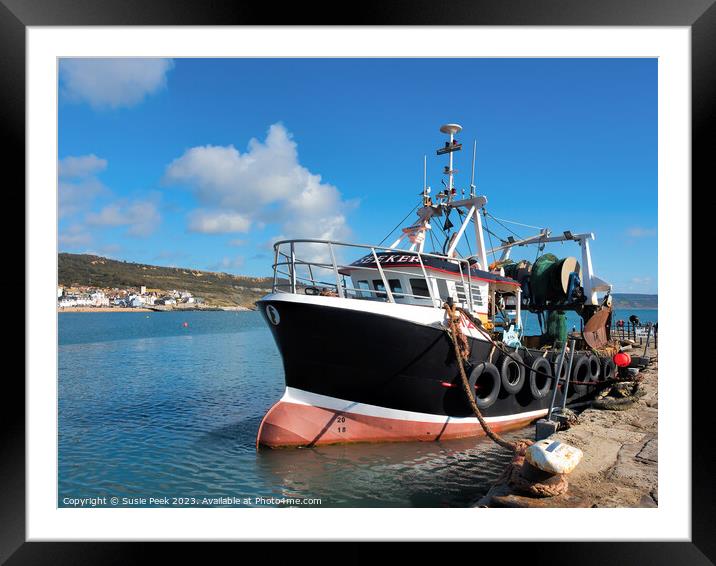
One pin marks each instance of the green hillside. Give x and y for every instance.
(217, 289)
(634, 301)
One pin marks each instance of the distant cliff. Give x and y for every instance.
(634, 301)
(219, 289)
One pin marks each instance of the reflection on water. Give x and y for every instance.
(415, 474)
(149, 408)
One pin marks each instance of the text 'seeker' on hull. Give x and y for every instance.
(362, 330)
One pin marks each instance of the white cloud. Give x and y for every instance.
(112, 82)
(637, 232)
(75, 197)
(78, 185)
(140, 217)
(266, 183)
(209, 222)
(73, 167)
(74, 236)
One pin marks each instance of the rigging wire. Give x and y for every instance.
(398, 225)
(486, 229)
(432, 241)
(491, 233)
(444, 234)
(517, 223)
(489, 236)
(501, 224)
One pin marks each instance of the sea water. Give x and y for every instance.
(153, 412)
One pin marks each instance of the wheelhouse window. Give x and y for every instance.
(395, 287)
(363, 290)
(419, 287)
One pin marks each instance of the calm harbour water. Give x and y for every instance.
(149, 408)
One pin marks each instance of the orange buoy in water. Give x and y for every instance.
(622, 359)
(185, 324)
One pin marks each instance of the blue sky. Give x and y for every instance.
(203, 163)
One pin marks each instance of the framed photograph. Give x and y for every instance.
(387, 280)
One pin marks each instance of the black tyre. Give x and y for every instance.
(485, 381)
(581, 375)
(565, 366)
(608, 369)
(512, 373)
(540, 384)
(595, 367)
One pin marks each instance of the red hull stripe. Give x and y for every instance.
(294, 424)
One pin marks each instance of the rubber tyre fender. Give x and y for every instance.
(608, 369)
(595, 367)
(489, 372)
(543, 366)
(508, 365)
(555, 367)
(580, 364)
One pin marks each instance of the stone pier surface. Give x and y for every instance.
(619, 467)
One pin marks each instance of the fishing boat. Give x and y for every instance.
(361, 329)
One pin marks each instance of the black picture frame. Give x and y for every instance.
(17, 15)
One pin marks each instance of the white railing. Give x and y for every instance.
(314, 267)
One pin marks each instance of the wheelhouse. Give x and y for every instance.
(394, 276)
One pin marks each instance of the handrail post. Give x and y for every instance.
(427, 282)
(339, 289)
(382, 276)
(464, 286)
(293, 268)
(275, 268)
(469, 284)
(310, 274)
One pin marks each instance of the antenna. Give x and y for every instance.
(426, 189)
(425, 173)
(472, 179)
(450, 146)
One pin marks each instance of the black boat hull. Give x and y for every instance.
(354, 365)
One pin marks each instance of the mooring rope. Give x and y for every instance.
(514, 476)
(460, 350)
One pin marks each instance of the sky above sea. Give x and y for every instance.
(205, 163)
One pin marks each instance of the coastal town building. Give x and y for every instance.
(89, 297)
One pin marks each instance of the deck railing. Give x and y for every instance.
(309, 263)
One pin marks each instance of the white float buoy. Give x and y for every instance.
(553, 456)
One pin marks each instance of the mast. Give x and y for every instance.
(446, 200)
(426, 189)
(472, 178)
(451, 146)
(472, 204)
